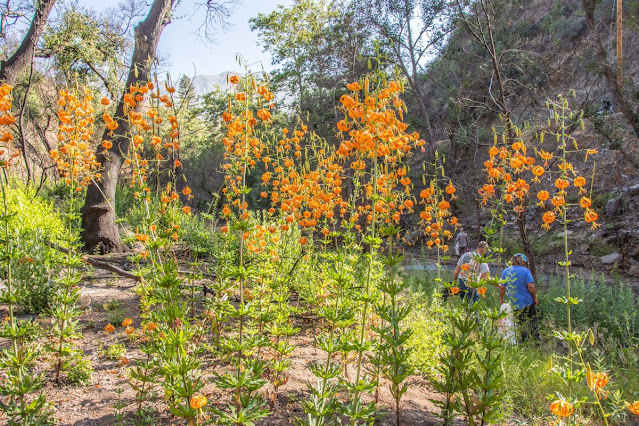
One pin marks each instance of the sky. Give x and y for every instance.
(188, 54)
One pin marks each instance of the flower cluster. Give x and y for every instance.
(597, 382)
(374, 142)
(75, 156)
(303, 194)
(566, 177)
(506, 169)
(251, 106)
(511, 171)
(7, 151)
(154, 141)
(436, 215)
(145, 106)
(561, 408)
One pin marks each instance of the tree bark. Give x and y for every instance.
(415, 81)
(100, 232)
(521, 223)
(620, 44)
(11, 68)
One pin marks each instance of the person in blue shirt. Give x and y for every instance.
(519, 288)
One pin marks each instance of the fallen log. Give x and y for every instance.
(99, 264)
(112, 268)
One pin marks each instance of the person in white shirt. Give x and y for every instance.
(475, 271)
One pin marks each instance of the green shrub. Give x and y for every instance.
(33, 214)
(600, 248)
(426, 340)
(600, 199)
(196, 234)
(114, 352)
(524, 366)
(33, 271)
(35, 228)
(611, 310)
(425, 322)
(114, 312)
(79, 370)
(568, 28)
(123, 200)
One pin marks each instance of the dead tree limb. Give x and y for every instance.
(13, 67)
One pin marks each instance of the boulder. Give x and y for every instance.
(614, 207)
(633, 190)
(610, 259)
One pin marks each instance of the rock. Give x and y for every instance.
(612, 239)
(634, 190)
(85, 300)
(611, 258)
(614, 207)
(583, 249)
(621, 236)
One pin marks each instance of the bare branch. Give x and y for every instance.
(216, 16)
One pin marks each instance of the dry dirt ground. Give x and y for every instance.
(104, 296)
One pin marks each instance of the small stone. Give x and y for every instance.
(85, 301)
(611, 258)
(634, 190)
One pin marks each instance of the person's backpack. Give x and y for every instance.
(506, 325)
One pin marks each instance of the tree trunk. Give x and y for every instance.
(415, 81)
(12, 67)
(521, 223)
(620, 44)
(100, 232)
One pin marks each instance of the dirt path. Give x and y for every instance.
(105, 299)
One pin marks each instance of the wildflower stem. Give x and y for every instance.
(67, 285)
(564, 208)
(9, 280)
(329, 354)
(594, 390)
(371, 253)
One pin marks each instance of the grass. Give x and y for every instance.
(611, 310)
(114, 312)
(599, 248)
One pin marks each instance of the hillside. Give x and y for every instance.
(545, 50)
(206, 83)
